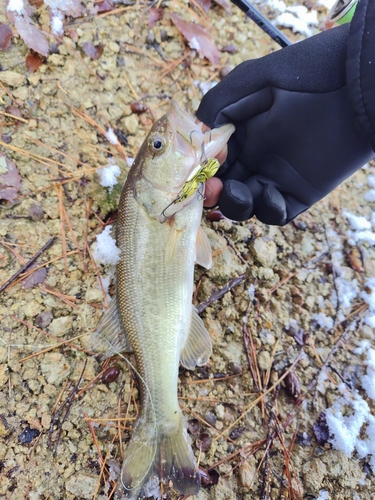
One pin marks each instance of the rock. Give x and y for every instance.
(12, 78)
(81, 485)
(131, 124)
(220, 412)
(3, 375)
(264, 252)
(247, 472)
(32, 308)
(342, 468)
(4, 428)
(60, 326)
(314, 473)
(55, 367)
(43, 319)
(233, 352)
(94, 295)
(264, 360)
(28, 435)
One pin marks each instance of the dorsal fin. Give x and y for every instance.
(109, 338)
(198, 347)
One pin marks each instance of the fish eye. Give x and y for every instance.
(158, 145)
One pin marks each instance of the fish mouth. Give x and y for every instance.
(190, 141)
(187, 134)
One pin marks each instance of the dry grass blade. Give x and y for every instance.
(28, 264)
(258, 399)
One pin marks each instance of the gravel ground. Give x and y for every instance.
(54, 432)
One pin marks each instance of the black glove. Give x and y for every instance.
(304, 117)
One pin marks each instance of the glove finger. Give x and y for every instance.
(269, 203)
(236, 201)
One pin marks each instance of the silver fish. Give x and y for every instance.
(152, 313)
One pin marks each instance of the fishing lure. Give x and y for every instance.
(199, 175)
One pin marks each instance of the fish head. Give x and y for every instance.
(173, 149)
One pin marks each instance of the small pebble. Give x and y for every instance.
(28, 435)
(203, 441)
(43, 319)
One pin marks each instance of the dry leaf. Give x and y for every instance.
(93, 51)
(198, 38)
(104, 5)
(10, 179)
(33, 61)
(154, 15)
(205, 4)
(5, 37)
(35, 278)
(19, 16)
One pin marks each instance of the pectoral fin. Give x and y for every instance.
(172, 243)
(203, 253)
(109, 337)
(198, 347)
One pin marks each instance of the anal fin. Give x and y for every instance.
(203, 253)
(109, 338)
(198, 347)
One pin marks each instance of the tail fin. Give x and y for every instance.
(158, 455)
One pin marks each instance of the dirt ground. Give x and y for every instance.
(55, 433)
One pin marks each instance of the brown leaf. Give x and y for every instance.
(33, 61)
(93, 51)
(205, 4)
(27, 30)
(5, 37)
(10, 179)
(104, 5)
(154, 15)
(35, 278)
(198, 38)
(225, 4)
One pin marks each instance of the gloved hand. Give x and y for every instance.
(305, 121)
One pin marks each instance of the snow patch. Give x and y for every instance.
(112, 137)
(108, 175)
(299, 19)
(106, 251)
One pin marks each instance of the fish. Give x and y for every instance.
(152, 314)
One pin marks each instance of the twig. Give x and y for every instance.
(28, 263)
(233, 247)
(220, 293)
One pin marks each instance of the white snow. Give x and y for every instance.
(357, 222)
(112, 137)
(370, 195)
(129, 161)
(57, 23)
(16, 6)
(194, 44)
(323, 495)
(371, 180)
(106, 251)
(251, 291)
(108, 175)
(368, 380)
(299, 19)
(205, 86)
(323, 320)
